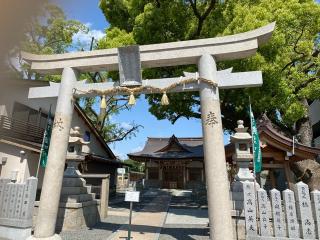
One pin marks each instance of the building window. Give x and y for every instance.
(86, 136)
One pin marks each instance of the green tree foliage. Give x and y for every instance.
(290, 61)
(49, 32)
(135, 166)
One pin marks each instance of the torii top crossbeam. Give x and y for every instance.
(156, 55)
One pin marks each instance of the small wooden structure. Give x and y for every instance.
(178, 162)
(278, 151)
(172, 162)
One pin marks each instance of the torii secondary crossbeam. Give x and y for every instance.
(204, 53)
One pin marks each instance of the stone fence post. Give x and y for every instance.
(104, 197)
(296, 217)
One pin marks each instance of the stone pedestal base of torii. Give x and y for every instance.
(204, 52)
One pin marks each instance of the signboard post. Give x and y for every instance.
(131, 196)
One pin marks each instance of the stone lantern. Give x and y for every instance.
(74, 153)
(78, 207)
(242, 156)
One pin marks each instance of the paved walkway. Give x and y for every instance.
(185, 224)
(147, 223)
(151, 220)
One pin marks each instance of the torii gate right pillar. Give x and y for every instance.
(219, 207)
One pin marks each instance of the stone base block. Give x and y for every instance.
(73, 182)
(237, 205)
(239, 230)
(78, 198)
(54, 237)
(13, 233)
(77, 218)
(237, 196)
(75, 190)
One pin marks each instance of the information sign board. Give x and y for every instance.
(132, 196)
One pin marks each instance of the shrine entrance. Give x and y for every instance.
(130, 61)
(173, 177)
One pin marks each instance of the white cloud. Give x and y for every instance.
(126, 125)
(84, 38)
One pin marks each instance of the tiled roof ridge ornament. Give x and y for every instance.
(264, 120)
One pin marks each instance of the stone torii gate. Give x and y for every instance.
(204, 52)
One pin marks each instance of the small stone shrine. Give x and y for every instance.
(78, 206)
(16, 208)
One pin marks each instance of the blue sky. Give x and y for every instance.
(88, 12)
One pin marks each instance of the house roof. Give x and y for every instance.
(79, 111)
(170, 148)
(277, 139)
(192, 148)
(94, 130)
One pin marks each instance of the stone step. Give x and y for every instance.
(77, 198)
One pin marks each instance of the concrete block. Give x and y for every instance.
(13, 233)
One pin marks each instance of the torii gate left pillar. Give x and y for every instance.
(203, 52)
(214, 154)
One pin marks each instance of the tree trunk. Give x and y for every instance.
(304, 127)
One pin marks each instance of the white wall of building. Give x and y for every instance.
(27, 164)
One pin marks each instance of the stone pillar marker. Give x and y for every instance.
(250, 207)
(219, 208)
(278, 221)
(264, 213)
(315, 199)
(52, 182)
(304, 211)
(291, 214)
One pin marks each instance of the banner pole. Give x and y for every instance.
(43, 139)
(253, 162)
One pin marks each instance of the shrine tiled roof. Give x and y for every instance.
(170, 148)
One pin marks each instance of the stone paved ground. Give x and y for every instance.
(184, 232)
(186, 224)
(184, 221)
(102, 230)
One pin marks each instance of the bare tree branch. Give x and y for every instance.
(124, 134)
(201, 18)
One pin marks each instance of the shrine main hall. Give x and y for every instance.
(179, 162)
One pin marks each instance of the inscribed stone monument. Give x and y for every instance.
(277, 215)
(250, 208)
(304, 211)
(291, 214)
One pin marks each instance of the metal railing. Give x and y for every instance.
(20, 130)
